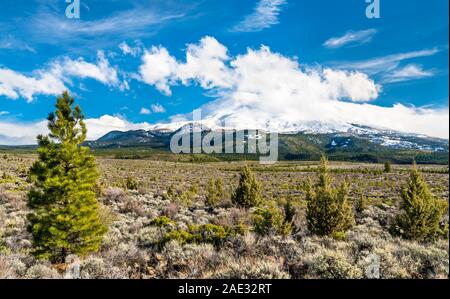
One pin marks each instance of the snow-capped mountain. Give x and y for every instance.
(329, 136)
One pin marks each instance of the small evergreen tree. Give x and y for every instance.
(65, 213)
(387, 166)
(271, 220)
(421, 212)
(328, 209)
(214, 192)
(247, 195)
(360, 203)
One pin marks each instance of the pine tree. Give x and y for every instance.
(387, 167)
(421, 211)
(247, 195)
(360, 203)
(328, 209)
(65, 213)
(214, 192)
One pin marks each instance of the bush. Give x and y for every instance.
(360, 203)
(214, 192)
(131, 184)
(247, 195)
(387, 167)
(252, 269)
(270, 220)
(421, 212)
(162, 221)
(333, 265)
(207, 233)
(328, 208)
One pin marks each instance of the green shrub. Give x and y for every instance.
(270, 220)
(2, 244)
(360, 203)
(130, 184)
(65, 213)
(181, 236)
(162, 221)
(387, 166)
(171, 193)
(328, 208)
(214, 192)
(421, 211)
(207, 233)
(247, 195)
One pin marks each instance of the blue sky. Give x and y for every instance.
(101, 57)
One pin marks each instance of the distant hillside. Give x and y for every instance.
(364, 145)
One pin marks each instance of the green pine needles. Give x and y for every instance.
(65, 213)
(248, 194)
(329, 211)
(421, 211)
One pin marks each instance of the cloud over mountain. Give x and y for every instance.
(263, 88)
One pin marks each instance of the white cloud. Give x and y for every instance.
(54, 27)
(386, 63)
(264, 16)
(102, 71)
(351, 37)
(352, 85)
(409, 72)
(9, 42)
(53, 80)
(205, 64)
(14, 85)
(4, 113)
(145, 111)
(158, 68)
(25, 133)
(21, 133)
(268, 90)
(128, 50)
(157, 108)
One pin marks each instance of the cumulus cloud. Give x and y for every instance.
(13, 133)
(205, 64)
(154, 108)
(158, 108)
(351, 38)
(14, 85)
(158, 68)
(53, 80)
(129, 50)
(264, 89)
(264, 16)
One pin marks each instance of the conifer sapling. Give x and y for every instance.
(65, 213)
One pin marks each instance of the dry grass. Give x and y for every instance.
(132, 247)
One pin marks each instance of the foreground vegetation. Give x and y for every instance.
(166, 221)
